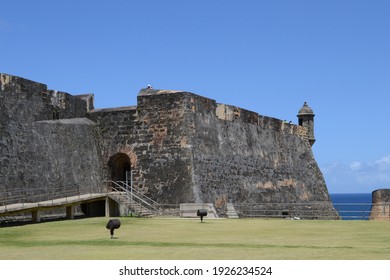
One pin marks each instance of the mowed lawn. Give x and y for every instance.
(188, 239)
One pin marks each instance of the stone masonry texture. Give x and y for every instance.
(180, 148)
(380, 209)
(39, 153)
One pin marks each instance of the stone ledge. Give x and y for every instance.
(147, 92)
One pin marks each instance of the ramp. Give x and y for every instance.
(68, 202)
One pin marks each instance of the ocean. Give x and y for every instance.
(352, 206)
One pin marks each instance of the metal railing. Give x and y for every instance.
(133, 195)
(25, 196)
(317, 211)
(314, 210)
(354, 211)
(363, 211)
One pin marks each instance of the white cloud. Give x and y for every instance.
(358, 176)
(383, 164)
(355, 166)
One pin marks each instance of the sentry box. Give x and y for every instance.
(201, 213)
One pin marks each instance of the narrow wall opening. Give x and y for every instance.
(119, 165)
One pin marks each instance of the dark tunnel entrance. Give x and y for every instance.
(120, 166)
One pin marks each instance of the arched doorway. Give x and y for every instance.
(120, 166)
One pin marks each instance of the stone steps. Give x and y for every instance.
(133, 206)
(231, 211)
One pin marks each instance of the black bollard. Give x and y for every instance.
(112, 225)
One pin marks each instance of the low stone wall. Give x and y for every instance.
(189, 210)
(380, 210)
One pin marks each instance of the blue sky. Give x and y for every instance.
(264, 56)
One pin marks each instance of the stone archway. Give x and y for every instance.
(119, 165)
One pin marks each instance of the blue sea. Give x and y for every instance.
(352, 206)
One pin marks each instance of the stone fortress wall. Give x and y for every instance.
(46, 144)
(179, 147)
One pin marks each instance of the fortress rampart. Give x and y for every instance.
(179, 147)
(46, 144)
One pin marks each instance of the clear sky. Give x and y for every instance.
(265, 56)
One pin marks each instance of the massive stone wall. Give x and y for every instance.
(243, 158)
(116, 131)
(154, 137)
(166, 158)
(250, 162)
(180, 148)
(40, 153)
(183, 147)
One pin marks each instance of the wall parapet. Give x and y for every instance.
(201, 104)
(232, 113)
(9, 83)
(55, 104)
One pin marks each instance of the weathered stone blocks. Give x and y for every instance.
(380, 209)
(177, 147)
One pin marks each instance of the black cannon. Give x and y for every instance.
(201, 213)
(112, 225)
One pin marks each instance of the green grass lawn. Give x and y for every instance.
(188, 239)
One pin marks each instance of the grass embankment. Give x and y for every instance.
(188, 239)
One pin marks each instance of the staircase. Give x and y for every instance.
(135, 202)
(231, 211)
